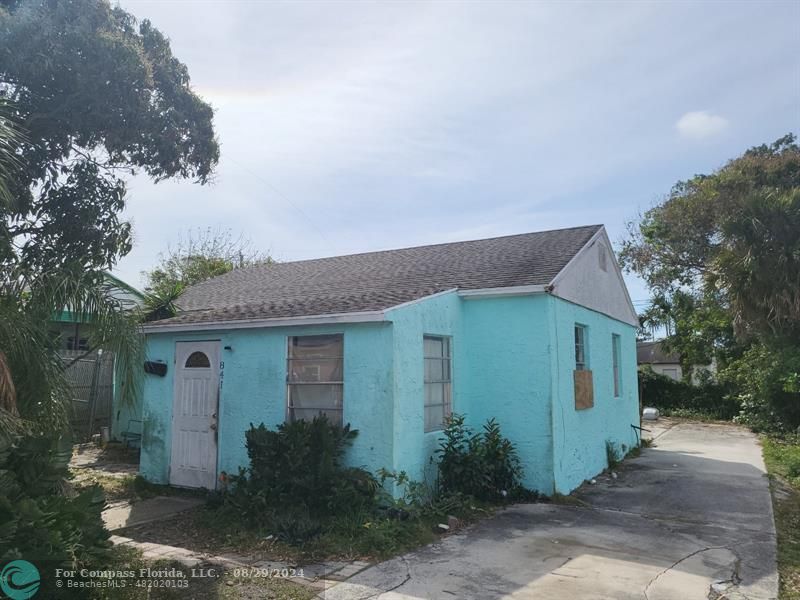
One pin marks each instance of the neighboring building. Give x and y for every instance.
(71, 332)
(653, 355)
(90, 372)
(536, 330)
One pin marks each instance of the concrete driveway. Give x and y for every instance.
(690, 518)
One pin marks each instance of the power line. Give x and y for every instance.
(286, 200)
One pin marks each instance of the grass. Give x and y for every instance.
(782, 457)
(127, 487)
(357, 536)
(613, 455)
(692, 414)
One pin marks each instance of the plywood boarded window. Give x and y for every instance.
(584, 389)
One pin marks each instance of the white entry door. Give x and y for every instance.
(194, 415)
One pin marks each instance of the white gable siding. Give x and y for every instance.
(586, 282)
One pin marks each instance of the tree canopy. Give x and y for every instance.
(733, 236)
(87, 96)
(97, 95)
(196, 257)
(721, 255)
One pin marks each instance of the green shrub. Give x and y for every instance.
(41, 518)
(768, 383)
(710, 399)
(296, 479)
(483, 465)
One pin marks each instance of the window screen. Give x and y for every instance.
(315, 377)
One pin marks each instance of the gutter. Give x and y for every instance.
(516, 290)
(372, 316)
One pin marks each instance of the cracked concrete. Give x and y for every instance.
(689, 519)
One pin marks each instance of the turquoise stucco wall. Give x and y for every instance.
(508, 377)
(254, 390)
(579, 436)
(440, 315)
(512, 360)
(501, 365)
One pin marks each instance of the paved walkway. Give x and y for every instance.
(690, 519)
(321, 576)
(124, 514)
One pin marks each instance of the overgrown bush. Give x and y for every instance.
(296, 479)
(484, 465)
(767, 380)
(709, 399)
(298, 489)
(41, 517)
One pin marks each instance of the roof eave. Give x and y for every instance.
(515, 290)
(372, 316)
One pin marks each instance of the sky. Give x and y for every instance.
(356, 126)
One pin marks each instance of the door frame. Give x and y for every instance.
(183, 348)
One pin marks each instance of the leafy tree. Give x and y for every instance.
(698, 326)
(98, 95)
(734, 237)
(722, 257)
(87, 95)
(201, 255)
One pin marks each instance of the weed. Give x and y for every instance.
(484, 465)
(782, 457)
(613, 455)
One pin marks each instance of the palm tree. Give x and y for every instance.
(34, 395)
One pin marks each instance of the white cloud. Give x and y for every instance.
(701, 124)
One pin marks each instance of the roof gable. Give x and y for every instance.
(376, 281)
(594, 280)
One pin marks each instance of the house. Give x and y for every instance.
(536, 330)
(91, 372)
(654, 355)
(70, 332)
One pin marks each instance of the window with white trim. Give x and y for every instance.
(315, 377)
(581, 362)
(616, 349)
(438, 381)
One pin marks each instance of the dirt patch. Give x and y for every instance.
(190, 530)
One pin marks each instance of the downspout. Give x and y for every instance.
(554, 378)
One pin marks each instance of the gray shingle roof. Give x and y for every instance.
(380, 280)
(653, 353)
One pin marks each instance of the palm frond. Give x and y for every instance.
(8, 395)
(114, 323)
(11, 137)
